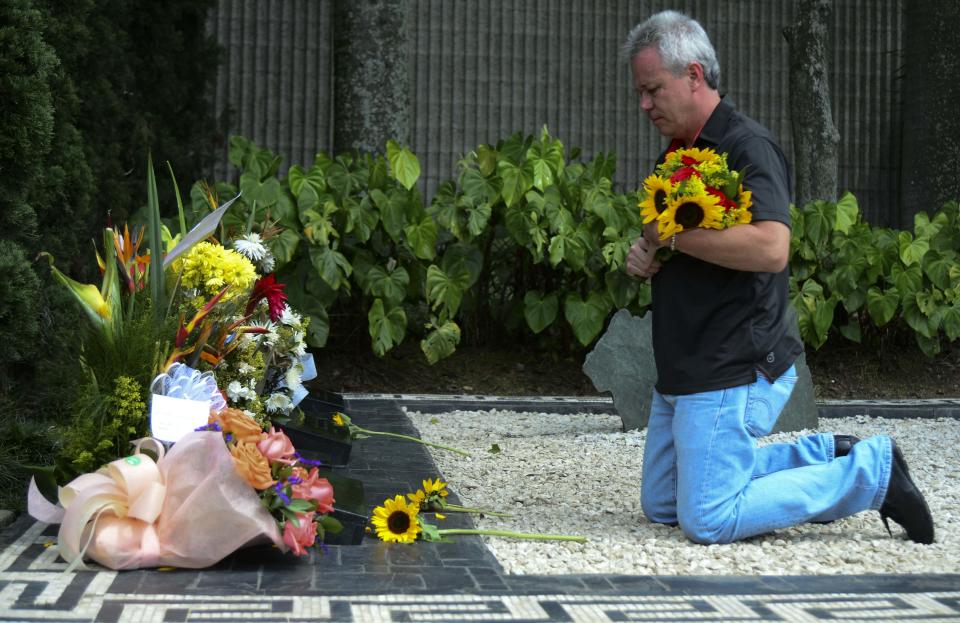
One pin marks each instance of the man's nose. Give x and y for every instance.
(646, 102)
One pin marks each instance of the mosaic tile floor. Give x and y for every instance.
(458, 581)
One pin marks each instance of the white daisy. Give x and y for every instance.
(292, 377)
(278, 401)
(289, 317)
(251, 246)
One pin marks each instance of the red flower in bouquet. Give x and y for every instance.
(299, 537)
(276, 446)
(313, 487)
(268, 288)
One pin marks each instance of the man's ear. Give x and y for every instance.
(695, 74)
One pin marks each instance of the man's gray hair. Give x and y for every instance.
(679, 39)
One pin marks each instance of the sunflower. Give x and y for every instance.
(656, 190)
(690, 157)
(396, 521)
(437, 487)
(689, 211)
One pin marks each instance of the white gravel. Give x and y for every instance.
(579, 474)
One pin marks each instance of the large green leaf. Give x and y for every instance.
(540, 311)
(339, 179)
(362, 219)
(404, 166)
(387, 328)
(331, 265)
(621, 287)
(466, 256)
(908, 280)
(477, 218)
(586, 316)
(919, 321)
(388, 285)
(951, 321)
(440, 342)
(479, 187)
(912, 250)
(847, 213)
(422, 238)
(882, 305)
(487, 159)
(517, 180)
(265, 192)
(297, 178)
(546, 159)
(283, 246)
(937, 267)
(447, 289)
(929, 345)
(818, 222)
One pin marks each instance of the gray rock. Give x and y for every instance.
(6, 518)
(801, 409)
(622, 363)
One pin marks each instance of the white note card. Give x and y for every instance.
(172, 418)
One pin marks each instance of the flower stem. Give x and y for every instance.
(466, 509)
(516, 535)
(409, 438)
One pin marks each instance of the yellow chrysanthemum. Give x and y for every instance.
(687, 212)
(435, 486)
(396, 521)
(209, 267)
(656, 190)
(746, 198)
(338, 419)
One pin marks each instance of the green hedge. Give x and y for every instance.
(528, 243)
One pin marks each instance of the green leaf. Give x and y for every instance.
(586, 316)
(937, 268)
(158, 287)
(404, 166)
(951, 321)
(823, 317)
(390, 286)
(393, 213)
(621, 287)
(477, 218)
(917, 320)
(480, 188)
(387, 329)
(447, 289)
(882, 305)
(330, 524)
(851, 330)
(848, 213)
(912, 251)
(929, 345)
(494, 448)
(517, 180)
(441, 342)
(283, 246)
(907, 280)
(331, 265)
(540, 311)
(818, 221)
(422, 238)
(362, 218)
(487, 160)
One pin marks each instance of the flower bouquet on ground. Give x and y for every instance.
(694, 188)
(195, 343)
(400, 521)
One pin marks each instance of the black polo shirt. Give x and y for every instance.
(714, 327)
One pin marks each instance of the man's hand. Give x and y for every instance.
(640, 259)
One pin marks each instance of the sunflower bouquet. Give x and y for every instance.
(694, 188)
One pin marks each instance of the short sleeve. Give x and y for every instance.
(765, 176)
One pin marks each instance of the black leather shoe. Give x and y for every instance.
(905, 504)
(842, 444)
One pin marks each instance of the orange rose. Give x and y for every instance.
(234, 421)
(252, 465)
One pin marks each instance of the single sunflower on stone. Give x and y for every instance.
(657, 190)
(396, 521)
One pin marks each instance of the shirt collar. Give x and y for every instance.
(715, 127)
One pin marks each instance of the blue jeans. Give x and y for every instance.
(702, 468)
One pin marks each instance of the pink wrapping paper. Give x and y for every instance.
(190, 509)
